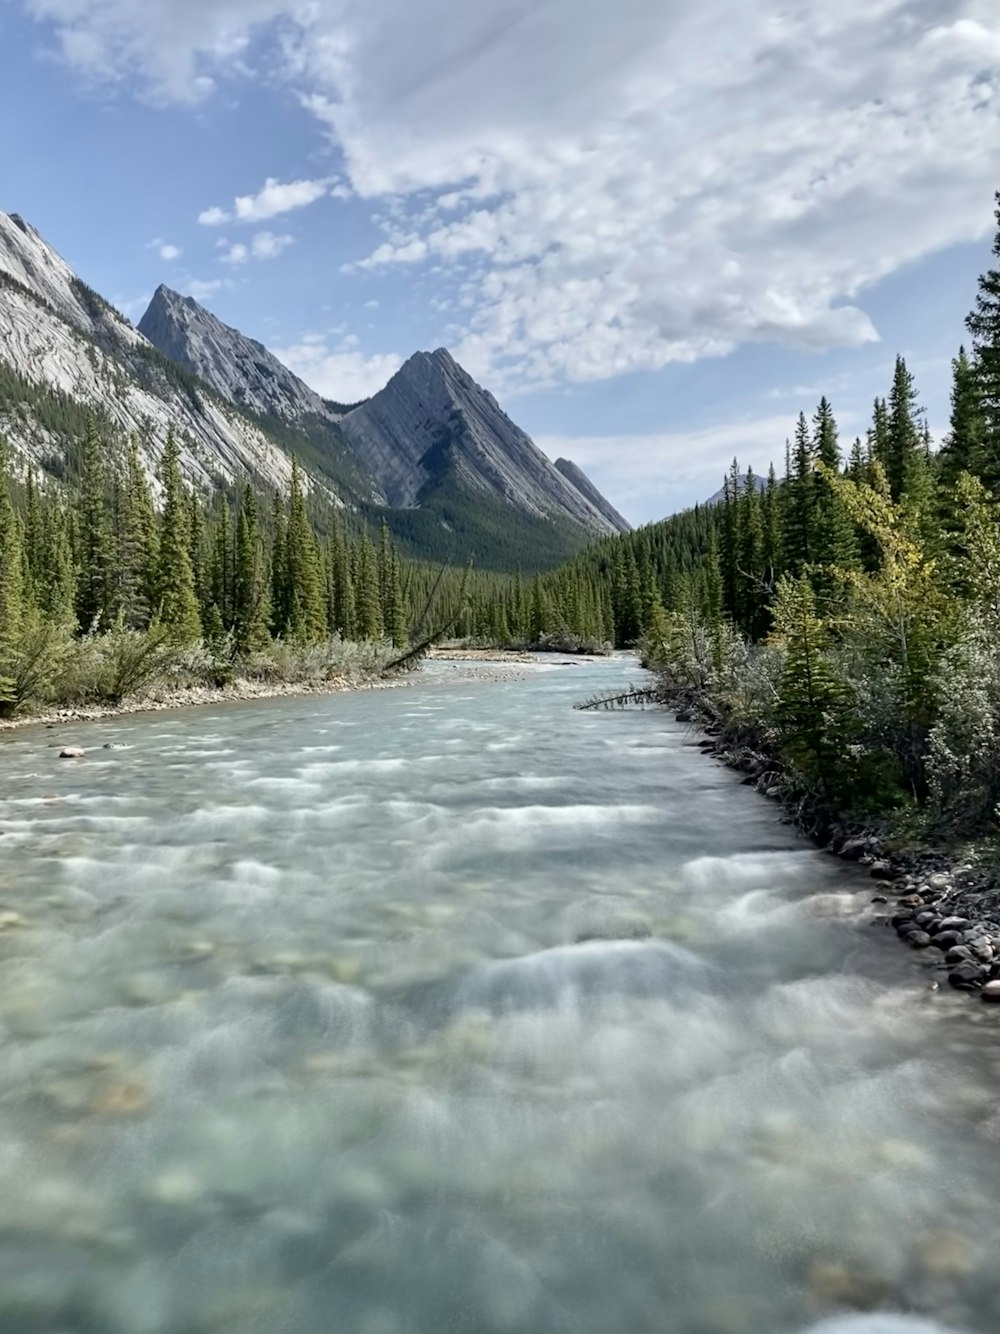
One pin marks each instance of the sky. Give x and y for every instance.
(655, 231)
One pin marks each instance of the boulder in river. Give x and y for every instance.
(967, 976)
(991, 990)
(72, 753)
(918, 940)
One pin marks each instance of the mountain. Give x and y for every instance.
(432, 453)
(67, 355)
(243, 371)
(578, 478)
(717, 497)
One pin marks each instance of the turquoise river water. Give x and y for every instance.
(452, 1010)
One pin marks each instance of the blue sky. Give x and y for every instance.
(654, 231)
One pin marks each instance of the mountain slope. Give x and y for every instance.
(433, 424)
(579, 479)
(243, 371)
(65, 353)
(432, 453)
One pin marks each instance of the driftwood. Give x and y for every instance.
(634, 696)
(415, 654)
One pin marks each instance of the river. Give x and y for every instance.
(452, 1009)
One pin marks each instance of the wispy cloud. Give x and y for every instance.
(270, 201)
(683, 180)
(264, 245)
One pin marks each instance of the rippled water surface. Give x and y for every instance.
(452, 1009)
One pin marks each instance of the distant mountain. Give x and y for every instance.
(65, 354)
(719, 496)
(432, 453)
(432, 425)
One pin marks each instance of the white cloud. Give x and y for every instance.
(649, 476)
(169, 252)
(271, 200)
(675, 181)
(341, 373)
(264, 245)
(201, 289)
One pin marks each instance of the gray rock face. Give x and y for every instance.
(60, 335)
(578, 478)
(239, 368)
(433, 422)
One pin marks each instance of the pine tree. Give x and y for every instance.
(12, 608)
(903, 442)
(833, 530)
(983, 324)
(798, 537)
(750, 556)
(813, 707)
(962, 448)
(93, 534)
(221, 580)
(251, 601)
(343, 617)
(177, 604)
(367, 603)
(306, 621)
(135, 547)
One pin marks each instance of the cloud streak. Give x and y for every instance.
(609, 189)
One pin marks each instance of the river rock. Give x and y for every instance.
(959, 954)
(684, 716)
(946, 1255)
(918, 940)
(910, 901)
(854, 848)
(945, 939)
(967, 976)
(991, 990)
(72, 753)
(954, 924)
(840, 1285)
(924, 919)
(939, 882)
(882, 870)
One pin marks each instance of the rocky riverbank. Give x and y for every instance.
(936, 899)
(184, 697)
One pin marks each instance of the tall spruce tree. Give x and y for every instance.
(983, 324)
(904, 442)
(12, 603)
(251, 595)
(177, 603)
(93, 537)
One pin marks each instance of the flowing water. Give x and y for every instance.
(452, 1009)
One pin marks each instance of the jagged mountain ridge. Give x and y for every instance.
(431, 426)
(432, 423)
(433, 453)
(67, 349)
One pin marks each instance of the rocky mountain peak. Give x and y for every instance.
(239, 368)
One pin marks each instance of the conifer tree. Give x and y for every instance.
(12, 608)
(368, 608)
(135, 547)
(93, 534)
(251, 600)
(306, 614)
(798, 537)
(833, 529)
(750, 558)
(903, 440)
(177, 604)
(983, 324)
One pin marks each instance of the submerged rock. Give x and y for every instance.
(72, 753)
